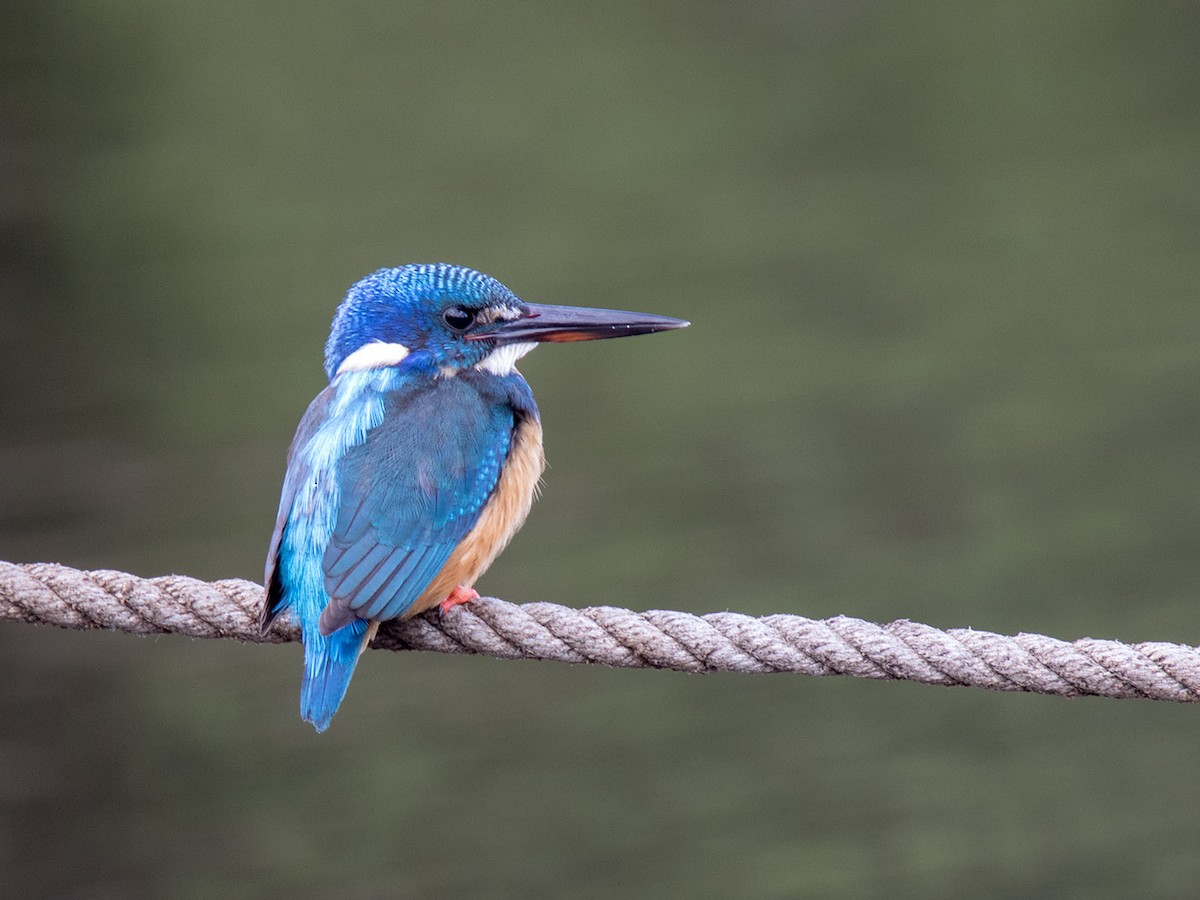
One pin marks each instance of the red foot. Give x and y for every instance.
(457, 597)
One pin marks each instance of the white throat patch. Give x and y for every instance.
(375, 355)
(503, 360)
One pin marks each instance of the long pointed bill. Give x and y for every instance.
(580, 323)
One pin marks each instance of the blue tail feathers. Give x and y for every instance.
(328, 666)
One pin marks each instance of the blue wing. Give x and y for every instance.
(408, 495)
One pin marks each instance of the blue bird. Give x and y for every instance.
(413, 469)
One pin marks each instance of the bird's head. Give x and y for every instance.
(446, 318)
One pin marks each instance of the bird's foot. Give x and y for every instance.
(457, 597)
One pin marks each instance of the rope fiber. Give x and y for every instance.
(51, 594)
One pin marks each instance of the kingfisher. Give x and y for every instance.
(416, 465)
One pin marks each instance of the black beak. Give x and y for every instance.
(578, 323)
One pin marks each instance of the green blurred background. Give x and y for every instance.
(941, 261)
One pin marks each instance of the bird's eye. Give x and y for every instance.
(458, 318)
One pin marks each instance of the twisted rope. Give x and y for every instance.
(52, 594)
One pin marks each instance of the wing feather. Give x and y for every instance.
(409, 494)
(374, 600)
(357, 565)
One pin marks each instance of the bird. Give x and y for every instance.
(417, 463)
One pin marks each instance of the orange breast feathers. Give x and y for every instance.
(499, 520)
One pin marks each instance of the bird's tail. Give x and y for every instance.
(328, 665)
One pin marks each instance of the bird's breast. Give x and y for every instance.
(500, 519)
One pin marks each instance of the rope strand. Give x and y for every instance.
(51, 594)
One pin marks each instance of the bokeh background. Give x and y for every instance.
(941, 261)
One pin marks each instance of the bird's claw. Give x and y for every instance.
(458, 596)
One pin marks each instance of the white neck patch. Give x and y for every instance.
(503, 360)
(375, 355)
